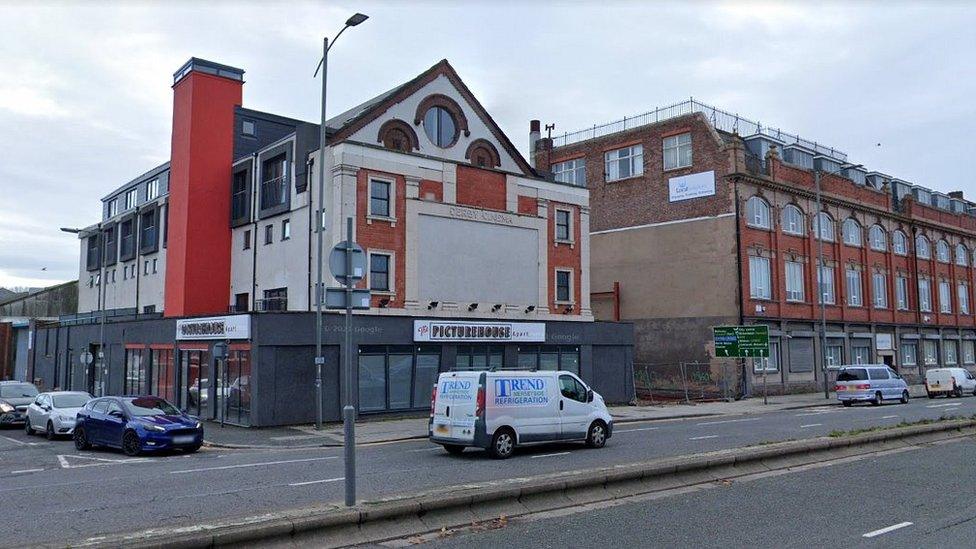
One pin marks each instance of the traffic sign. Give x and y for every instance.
(335, 298)
(337, 261)
(86, 358)
(741, 341)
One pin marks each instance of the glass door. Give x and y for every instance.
(194, 382)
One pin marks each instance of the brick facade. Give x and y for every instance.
(481, 188)
(384, 236)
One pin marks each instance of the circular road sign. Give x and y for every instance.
(337, 262)
(86, 358)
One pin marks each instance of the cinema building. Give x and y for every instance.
(473, 260)
(700, 217)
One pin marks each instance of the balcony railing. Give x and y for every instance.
(273, 192)
(271, 304)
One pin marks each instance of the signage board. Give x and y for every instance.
(215, 327)
(335, 298)
(884, 342)
(741, 341)
(695, 185)
(449, 330)
(85, 358)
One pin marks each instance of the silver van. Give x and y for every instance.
(874, 383)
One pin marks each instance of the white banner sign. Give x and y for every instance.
(691, 186)
(216, 327)
(437, 330)
(884, 341)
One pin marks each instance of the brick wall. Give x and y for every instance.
(481, 188)
(431, 190)
(376, 234)
(564, 256)
(528, 205)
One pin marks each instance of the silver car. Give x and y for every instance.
(54, 413)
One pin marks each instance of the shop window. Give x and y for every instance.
(951, 351)
(549, 357)
(164, 374)
(835, 355)
(479, 357)
(237, 387)
(136, 378)
(930, 349)
(397, 377)
(909, 355)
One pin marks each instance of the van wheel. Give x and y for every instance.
(847, 403)
(878, 399)
(502, 444)
(454, 449)
(958, 392)
(932, 395)
(904, 397)
(596, 437)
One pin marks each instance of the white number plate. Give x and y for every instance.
(183, 439)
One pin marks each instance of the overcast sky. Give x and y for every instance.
(86, 104)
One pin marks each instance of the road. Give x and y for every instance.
(914, 498)
(52, 493)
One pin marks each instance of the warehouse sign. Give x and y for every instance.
(216, 327)
(741, 341)
(691, 186)
(436, 330)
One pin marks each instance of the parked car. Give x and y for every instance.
(54, 413)
(499, 410)
(15, 397)
(872, 383)
(949, 382)
(136, 424)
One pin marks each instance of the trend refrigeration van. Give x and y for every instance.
(501, 409)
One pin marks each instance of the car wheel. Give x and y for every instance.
(454, 449)
(130, 444)
(81, 441)
(49, 431)
(878, 399)
(847, 403)
(904, 397)
(502, 444)
(27, 427)
(596, 437)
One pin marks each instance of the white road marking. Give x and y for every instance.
(888, 417)
(944, 405)
(21, 442)
(703, 438)
(337, 479)
(811, 425)
(729, 421)
(550, 455)
(251, 465)
(891, 528)
(424, 450)
(635, 430)
(25, 471)
(65, 464)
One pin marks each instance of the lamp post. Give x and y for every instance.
(99, 361)
(319, 359)
(820, 261)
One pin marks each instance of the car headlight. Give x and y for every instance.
(5, 408)
(65, 418)
(198, 425)
(156, 428)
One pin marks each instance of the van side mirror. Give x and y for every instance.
(589, 395)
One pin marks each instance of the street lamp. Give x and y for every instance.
(100, 357)
(817, 173)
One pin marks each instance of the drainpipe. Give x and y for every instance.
(738, 271)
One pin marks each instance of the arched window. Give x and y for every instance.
(398, 135)
(823, 227)
(899, 243)
(962, 255)
(443, 120)
(922, 247)
(757, 213)
(793, 220)
(879, 240)
(942, 249)
(482, 153)
(852, 232)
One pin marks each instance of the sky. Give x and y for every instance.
(86, 103)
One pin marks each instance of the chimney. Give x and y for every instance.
(205, 95)
(534, 135)
(956, 194)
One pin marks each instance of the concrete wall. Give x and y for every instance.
(47, 303)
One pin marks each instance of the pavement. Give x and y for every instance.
(913, 498)
(380, 430)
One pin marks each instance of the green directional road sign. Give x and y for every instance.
(741, 341)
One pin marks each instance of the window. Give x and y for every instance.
(862, 355)
(479, 357)
(879, 241)
(238, 198)
(154, 266)
(241, 303)
(563, 225)
(275, 299)
(962, 255)
(109, 254)
(127, 240)
(930, 350)
(854, 298)
(397, 377)
(564, 290)
(268, 234)
(131, 199)
(962, 295)
(945, 297)
(247, 240)
(909, 354)
(825, 276)
(98, 279)
(793, 221)
(571, 171)
(677, 151)
(379, 198)
(148, 239)
(942, 251)
(951, 352)
(398, 136)
(247, 128)
(440, 127)
(899, 243)
(285, 229)
(379, 272)
(92, 255)
(852, 232)
(759, 283)
(794, 281)
(834, 355)
(549, 357)
(152, 190)
(113, 207)
(624, 163)
(924, 295)
(880, 290)
(145, 267)
(901, 293)
(922, 247)
(757, 213)
(570, 387)
(823, 227)
(969, 351)
(136, 380)
(770, 364)
(274, 184)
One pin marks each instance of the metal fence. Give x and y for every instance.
(688, 381)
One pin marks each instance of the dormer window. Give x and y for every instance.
(113, 207)
(440, 126)
(247, 128)
(131, 199)
(152, 189)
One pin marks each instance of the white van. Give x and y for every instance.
(500, 409)
(949, 382)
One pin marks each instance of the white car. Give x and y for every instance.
(949, 382)
(54, 413)
(499, 410)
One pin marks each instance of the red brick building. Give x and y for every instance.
(704, 218)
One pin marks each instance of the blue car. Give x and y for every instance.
(136, 424)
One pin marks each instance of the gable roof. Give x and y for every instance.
(350, 121)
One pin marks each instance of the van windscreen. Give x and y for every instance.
(853, 374)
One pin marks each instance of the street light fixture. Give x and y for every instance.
(100, 357)
(817, 173)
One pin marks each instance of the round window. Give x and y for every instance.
(440, 126)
